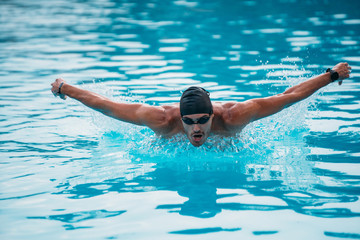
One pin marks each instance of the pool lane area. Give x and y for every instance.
(68, 172)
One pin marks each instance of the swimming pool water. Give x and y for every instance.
(68, 172)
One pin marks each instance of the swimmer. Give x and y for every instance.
(195, 115)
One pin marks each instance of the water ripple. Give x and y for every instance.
(61, 160)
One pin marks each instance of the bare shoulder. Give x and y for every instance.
(230, 110)
(234, 115)
(167, 118)
(158, 114)
(171, 112)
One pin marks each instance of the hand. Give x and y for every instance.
(55, 88)
(344, 70)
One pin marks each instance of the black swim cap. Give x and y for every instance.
(195, 100)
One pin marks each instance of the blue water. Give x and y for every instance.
(68, 172)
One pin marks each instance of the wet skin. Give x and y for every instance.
(228, 119)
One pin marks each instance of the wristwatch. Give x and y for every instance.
(333, 74)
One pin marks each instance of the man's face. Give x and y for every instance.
(199, 130)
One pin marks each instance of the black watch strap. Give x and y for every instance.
(334, 75)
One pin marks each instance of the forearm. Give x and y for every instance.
(136, 113)
(90, 99)
(121, 111)
(273, 104)
(310, 86)
(255, 109)
(307, 88)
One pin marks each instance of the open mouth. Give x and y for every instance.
(197, 137)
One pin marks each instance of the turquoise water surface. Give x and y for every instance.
(68, 172)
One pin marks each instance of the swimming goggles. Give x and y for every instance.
(201, 120)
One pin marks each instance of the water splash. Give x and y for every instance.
(272, 148)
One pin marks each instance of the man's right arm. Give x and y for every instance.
(136, 113)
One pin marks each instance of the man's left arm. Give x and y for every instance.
(255, 109)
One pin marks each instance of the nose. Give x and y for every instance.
(196, 127)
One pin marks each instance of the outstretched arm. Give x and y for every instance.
(251, 110)
(140, 114)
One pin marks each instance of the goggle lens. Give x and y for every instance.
(190, 121)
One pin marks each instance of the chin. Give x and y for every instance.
(196, 144)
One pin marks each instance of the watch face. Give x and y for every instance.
(335, 76)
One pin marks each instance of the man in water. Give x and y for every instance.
(196, 115)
